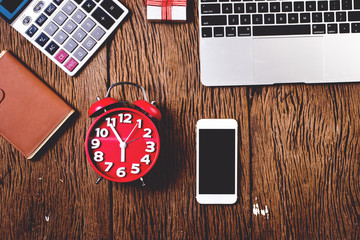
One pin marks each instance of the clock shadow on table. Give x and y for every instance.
(169, 165)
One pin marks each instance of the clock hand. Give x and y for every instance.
(132, 131)
(116, 134)
(133, 140)
(123, 152)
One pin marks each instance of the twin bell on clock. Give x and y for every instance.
(123, 143)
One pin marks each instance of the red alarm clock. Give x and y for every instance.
(123, 143)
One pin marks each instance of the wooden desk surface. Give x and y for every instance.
(299, 150)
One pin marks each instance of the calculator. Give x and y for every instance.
(69, 32)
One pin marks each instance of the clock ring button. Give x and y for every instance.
(123, 145)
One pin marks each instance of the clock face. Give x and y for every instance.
(122, 145)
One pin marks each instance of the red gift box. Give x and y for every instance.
(166, 10)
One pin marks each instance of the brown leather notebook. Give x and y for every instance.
(30, 112)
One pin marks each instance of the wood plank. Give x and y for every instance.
(305, 148)
(60, 184)
(163, 58)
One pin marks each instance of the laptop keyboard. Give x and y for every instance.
(236, 18)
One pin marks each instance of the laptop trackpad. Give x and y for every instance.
(288, 60)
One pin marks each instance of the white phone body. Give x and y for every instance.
(216, 161)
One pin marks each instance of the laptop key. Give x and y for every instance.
(233, 19)
(245, 19)
(318, 28)
(329, 17)
(257, 19)
(244, 31)
(293, 18)
(227, 8)
(311, 6)
(332, 28)
(346, 4)
(317, 17)
(238, 7)
(218, 32)
(344, 27)
(269, 18)
(274, 7)
(213, 20)
(304, 17)
(263, 7)
(280, 18)
(210, 8)
(251, 7)
(322, 6)
(298, 6)
(356, 4)
(206, 32)
(230, 31)
(281, 30)
(287, 6)
(355, 27)
(354, 16)
(335, 5)
(103, 18)
(341, 16)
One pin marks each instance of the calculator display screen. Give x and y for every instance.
(10, 9)
(217, 161)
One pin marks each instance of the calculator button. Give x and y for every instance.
(60, 37)
(31, 31)
(61, 56)
(103, 18)
(42, 39)
(112, 8)
(70, 26)
(70, 45)
(88, 5)
(80, 53)
(39, 6)
(98, 33)
(26, 20)
(69, 8)
(79, 35)
(52, 48)
(50, 9)
(71, 64)
(60, 18)
(78, 16)
(88, 25)
(51, 28)
(89, 43)
(78, 1)
(40, 21)
(58, 2)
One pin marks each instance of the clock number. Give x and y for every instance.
(102, 132)
(139, 123)
(148, 133)
(95, 143)
(125, 118)
(150, 147)
(109, 166)
(121, 172)
(135, 169)
(111, 121)
(146, 159)
(98, 156)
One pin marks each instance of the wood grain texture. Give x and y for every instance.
(298, 150)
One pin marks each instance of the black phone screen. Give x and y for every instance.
(217, 161)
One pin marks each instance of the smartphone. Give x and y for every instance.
(216, 161)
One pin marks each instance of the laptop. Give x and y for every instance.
(69, 32)
(246, 42)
